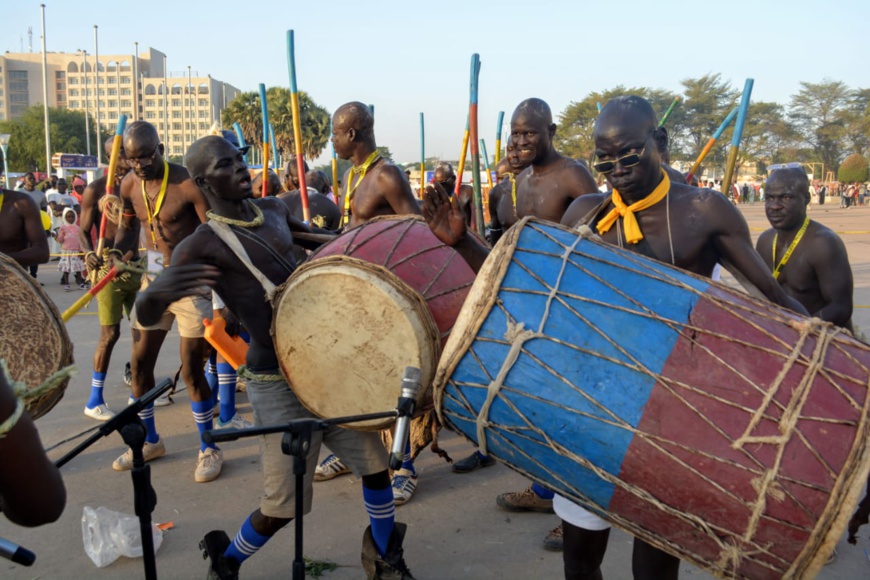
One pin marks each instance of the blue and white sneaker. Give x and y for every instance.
(330, 468)
(404, 485)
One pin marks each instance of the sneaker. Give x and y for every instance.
(101, 412)
(237, 422)
(83, 286)
(209, 464)
(214, 545)
(329, 468)
(404, 485)
(553, 541)
(66, 287)
(150, 451)
(524, 501)
(474, 461)
(128, 374)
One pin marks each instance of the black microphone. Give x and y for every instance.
(16, 553)
(407, 405)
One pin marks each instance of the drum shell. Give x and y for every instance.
(637, 396)
(33, 340)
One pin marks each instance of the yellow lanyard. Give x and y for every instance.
(2, 195)
(160, 196)
(514, 191)
(361, 170)
(790, 249)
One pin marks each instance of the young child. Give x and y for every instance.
(71, 262)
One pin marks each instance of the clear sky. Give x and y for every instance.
(411, 57)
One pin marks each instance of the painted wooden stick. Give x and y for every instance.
(422, 157)
(737, 136)
(264, 108)
(486, 163)
(372, 109)
(710, 143)
(498, 129)
(297, 127)
(336, 194)
(598, 104)
(461, 169)
(241, 137)
(87, 296)
(669, 111)
(475, 151)
(110, 178)
(274, 147)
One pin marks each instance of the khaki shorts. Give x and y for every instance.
(274, 404)
(117, 298)
(190, 311)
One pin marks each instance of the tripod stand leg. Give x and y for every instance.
(144, 497)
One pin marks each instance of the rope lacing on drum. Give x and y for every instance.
(734, 547)
(23, 394)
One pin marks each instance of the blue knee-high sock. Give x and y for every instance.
(211, 377)
(246, 543)
(542, 492)
(97, 382)
(407, 462)
(203, 414)
(147, 416)
(227, 385)
(382, 515)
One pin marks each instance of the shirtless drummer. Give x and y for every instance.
(162, 198)
(220, 171)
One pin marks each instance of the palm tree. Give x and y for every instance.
(245, 110)
(314, 121)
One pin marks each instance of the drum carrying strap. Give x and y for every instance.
(229, 237)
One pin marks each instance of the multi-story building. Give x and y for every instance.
(182, 105)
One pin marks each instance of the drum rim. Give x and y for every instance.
(42, 405)
(422, 309)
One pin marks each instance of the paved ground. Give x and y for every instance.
(455, 529)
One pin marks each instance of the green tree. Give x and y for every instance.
(386, 154)
(856, 121)
(817, 113)
(853, 168)
(246, 111)
(27, 141)
(706, 102)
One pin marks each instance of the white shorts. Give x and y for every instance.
(578, 516)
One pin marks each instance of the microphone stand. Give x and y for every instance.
(132, 430)
(296, 442)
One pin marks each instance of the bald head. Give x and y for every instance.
(273, 186)
(534, 107)
(108, 145)
(291, 173)
(355, 115)
(503, 168)
(203, 151)
(140, 136)
(627, 110)
(791, 179)
(317, 180)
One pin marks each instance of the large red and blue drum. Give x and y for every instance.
(376, 299)
(718, 427)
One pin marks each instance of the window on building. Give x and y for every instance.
(102, 92)
(150, 115)
(113, 104)
(160, 113)
(113, 80)
(176, 138)
(113, 115)
(203, 126)
(2, 114)
(60, 86)
(102, 114)
(161, 126)
(113, 92)
(125, 80)
(126, 104)
(18, 74)
(73, 80)
(61, 97)
(176, 114)
(18, 97)
(1, 92)
(72, 105)
(126, 92)
(204, 102)
(60, 74)
(73, 92)
(150, 103)
(203, 114)
(176, 102)
(176, 150)
(176, 126)
(18, 85)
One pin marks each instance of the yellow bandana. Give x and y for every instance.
(632, 230)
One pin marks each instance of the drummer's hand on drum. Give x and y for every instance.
(443, 215)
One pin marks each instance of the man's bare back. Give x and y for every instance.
(22, 236)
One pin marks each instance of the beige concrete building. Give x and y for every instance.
(182, 104)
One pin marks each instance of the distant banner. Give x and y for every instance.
(73, 161)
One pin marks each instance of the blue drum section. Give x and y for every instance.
(591, 327)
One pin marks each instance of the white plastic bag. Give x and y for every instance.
(108, 534)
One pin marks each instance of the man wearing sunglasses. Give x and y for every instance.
(161, 198)
(672, 222)
(551, 182)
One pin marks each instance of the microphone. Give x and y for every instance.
(16, 553)
(407, 404)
